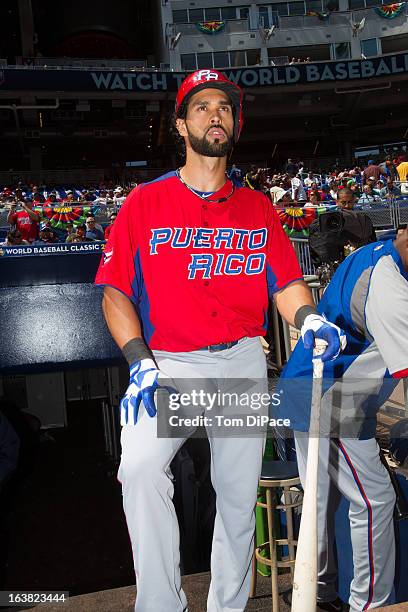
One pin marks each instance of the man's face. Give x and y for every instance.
(345, 201)
(80, 232)
(209, 125)
(90, 223)
(112, 219)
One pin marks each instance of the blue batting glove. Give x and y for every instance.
(142, 387)
(317, 326)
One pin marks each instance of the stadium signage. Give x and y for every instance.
(42, 79)
(261, 77)
(52, 249)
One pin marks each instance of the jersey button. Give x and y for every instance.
(205, 223)
(214, 313)
(205, 206)
(206, 283)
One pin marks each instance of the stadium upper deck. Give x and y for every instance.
(67, 112)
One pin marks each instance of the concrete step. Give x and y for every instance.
(196, 589)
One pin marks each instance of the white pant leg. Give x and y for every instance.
(363, 479)
(151, 518)
(354, 468)
(148, 495)
(328, 498)
(235, 469)
(148, 492)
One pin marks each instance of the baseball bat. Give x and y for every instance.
(305, 577)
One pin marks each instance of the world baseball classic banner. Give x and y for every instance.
(43, 79)
(51, 249)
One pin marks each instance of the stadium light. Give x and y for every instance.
(175, 40)
(357, 26)
(266, 33)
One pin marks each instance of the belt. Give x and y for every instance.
(213, 348)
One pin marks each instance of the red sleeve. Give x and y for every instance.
(400, 374)
(107, 231)
(282, 267)
(117, 267)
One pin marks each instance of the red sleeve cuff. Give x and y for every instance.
(400, 373)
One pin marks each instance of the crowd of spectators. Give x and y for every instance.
(25, 205)
(379, 182)
(299, 60)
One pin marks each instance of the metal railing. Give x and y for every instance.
(339, 18)
(384, 217)
(232, 26)
(301, 246)
(80, 63)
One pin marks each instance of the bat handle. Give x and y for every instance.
(319, 347)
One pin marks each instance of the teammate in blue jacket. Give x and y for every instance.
(368, 299)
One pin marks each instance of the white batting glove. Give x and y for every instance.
(142, 387)
(317, 326)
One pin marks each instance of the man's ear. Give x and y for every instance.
(181, 127)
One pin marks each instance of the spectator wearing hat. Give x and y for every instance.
(70, 197)
(368, 197)
(118, 197)
(378, 187)
(325, 194)
(92, 231)
(102, 199)
(25, 220)
(389, 168)
(47, 236)
(51, 198)
(108, 229)
(373, 172)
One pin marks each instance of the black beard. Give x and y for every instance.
(202, 146)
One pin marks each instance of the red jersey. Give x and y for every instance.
(26, 226)
(198, 272)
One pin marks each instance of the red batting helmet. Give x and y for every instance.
(201, 79)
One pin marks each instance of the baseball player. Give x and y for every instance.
(188, 269)
(368, 297)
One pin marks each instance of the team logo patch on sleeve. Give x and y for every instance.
(107, 255)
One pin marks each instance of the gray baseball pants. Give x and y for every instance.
(353, 468)
(148, 491)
